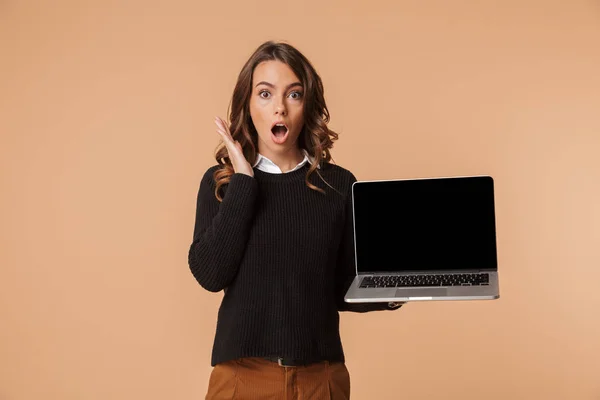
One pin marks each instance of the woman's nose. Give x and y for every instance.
(280, 108)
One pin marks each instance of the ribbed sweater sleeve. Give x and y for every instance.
(221, 230)
(346, 267)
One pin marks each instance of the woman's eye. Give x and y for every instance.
(297, 96)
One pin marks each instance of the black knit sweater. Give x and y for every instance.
(284, 255)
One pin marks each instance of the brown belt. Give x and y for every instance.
(290, 362)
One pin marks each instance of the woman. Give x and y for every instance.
(274, 231)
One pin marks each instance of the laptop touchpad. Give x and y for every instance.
(421, 292)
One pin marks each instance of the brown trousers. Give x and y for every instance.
(260, 379)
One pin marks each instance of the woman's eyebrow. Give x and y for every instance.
(291, 85)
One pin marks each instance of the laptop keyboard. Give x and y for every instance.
(425, 280)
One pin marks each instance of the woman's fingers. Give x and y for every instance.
(225, 135)
(223, 125)
(234, 149)
(230, 144)
(221, 129)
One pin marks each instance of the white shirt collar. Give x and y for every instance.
(266, 165)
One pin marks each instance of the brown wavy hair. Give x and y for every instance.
(316, 138)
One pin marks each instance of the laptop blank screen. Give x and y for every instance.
(425, 224)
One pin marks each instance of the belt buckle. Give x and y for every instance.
(281, 364)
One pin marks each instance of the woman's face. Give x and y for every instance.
(277, 98)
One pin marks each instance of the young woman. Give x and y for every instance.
(274, 231)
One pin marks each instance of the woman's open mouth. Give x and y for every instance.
(279, 133)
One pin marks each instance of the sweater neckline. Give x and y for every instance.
(282, 177)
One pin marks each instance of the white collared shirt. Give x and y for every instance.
(266, 165)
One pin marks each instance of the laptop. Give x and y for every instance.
(424, 239)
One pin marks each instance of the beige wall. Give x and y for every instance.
(106, 122)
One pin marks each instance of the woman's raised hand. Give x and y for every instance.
(234, 149)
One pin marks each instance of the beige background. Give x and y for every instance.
(106, 121)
